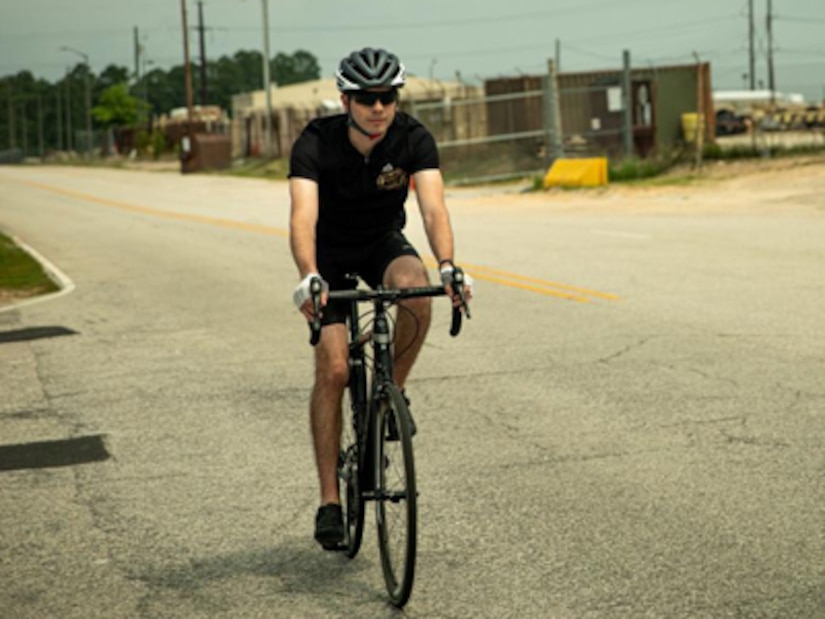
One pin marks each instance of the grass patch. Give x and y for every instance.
(20, 274)
(272, 169)
(632, 169)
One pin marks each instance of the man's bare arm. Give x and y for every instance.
(302, 221)
(429, 187)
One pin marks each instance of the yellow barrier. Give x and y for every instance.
(577, 173)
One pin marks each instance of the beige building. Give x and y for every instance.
(295, 105)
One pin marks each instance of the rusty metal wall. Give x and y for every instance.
(591, 110)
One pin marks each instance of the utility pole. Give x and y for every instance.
(751, 50)
(627, 105)
(700, 111)
(187, 145)
(88, 80)
(24, 128)
(69, 141)
(771, 82)
(203, 52)
(89, 135)
(137, 55)
(12, 142)
(558, 55)
(59, 119)
(267, 87)
(553, 136)
(40, 145)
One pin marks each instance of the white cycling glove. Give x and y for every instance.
(448, 273)
(302, 292)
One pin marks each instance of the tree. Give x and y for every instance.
(301, 66)
(250, 70)
(117, 107)
(111, 76)
(23, 98)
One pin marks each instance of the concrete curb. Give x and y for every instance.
(65, 284)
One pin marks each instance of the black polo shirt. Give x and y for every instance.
(361, 199)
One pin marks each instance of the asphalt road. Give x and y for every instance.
(631, 425)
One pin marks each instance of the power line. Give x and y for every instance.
(451, 23)
(662, 28)
(801, 51)
(800, 20)
(589, 54)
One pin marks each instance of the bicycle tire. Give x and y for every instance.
(349, 475)
(396, 505)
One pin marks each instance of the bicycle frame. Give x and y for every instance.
(364, 414)
(380, 418)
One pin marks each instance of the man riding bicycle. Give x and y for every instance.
(349, 180)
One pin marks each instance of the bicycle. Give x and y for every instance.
(376, 461)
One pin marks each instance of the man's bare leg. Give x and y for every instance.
(413, 317)
(331, 372)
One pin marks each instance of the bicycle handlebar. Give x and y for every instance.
(391, 296)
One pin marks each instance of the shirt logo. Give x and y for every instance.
(391, 178)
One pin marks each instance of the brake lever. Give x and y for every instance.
(458, 286)
(315, 326)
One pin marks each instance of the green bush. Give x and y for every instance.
(158, 143)
(633, 169)
(142, 141)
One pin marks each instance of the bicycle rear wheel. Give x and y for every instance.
(349, 475)
(396, 505)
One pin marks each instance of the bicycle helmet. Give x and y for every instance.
(370, 68)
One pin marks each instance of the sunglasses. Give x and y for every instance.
(368, 98)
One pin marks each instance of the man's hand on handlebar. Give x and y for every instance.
(303, 296)
(457, 284)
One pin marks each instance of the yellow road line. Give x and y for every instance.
(145, 210)
(533, 284)
(541, 290)
(496, 276)
(541, 282)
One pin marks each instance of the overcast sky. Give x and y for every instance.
(435, 38)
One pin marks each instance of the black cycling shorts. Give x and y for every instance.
(367, 261)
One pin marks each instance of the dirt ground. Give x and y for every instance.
(7, 297)
(745, 169)
(737, 185)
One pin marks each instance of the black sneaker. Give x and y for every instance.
(329, 526)
(392, 430)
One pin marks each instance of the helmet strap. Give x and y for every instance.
(351, 123)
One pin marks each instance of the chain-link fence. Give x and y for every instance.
(490, 137)
(520, 125)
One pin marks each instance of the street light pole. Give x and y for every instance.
(88, 72)
(267, 87)
(189, 145)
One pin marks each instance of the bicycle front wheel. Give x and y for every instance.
(349, 475)
(396, 506)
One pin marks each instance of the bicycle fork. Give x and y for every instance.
(382, 351)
